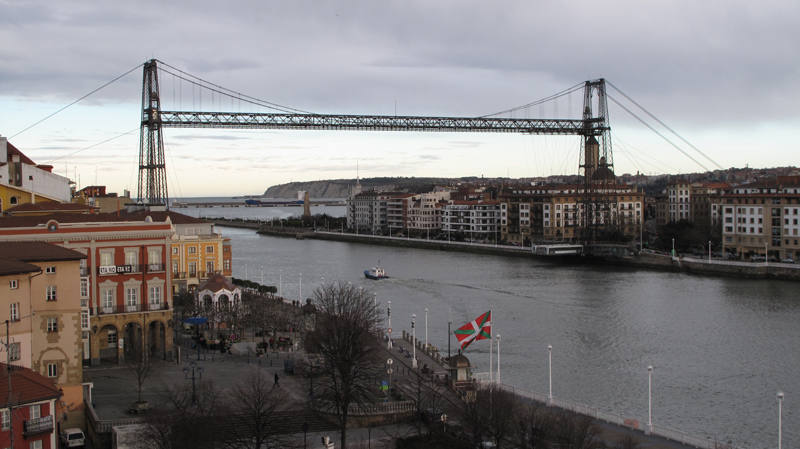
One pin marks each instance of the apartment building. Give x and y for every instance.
(475, 220)
(556, 212)
(425, 211)
(33, 417)
(39, 289)
(197, 253)
(679, 199)
(123, 281)
(366, 212)
(762, 218)
(23, 181)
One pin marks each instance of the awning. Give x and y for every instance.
(195, 320)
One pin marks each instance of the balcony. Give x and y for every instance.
(84, 271)
(131, 308)
(155, 267)
(38, 426)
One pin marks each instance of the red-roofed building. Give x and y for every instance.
(124, 281)
(22, 181)
(29, 412)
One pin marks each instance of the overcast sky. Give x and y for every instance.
(723, 74)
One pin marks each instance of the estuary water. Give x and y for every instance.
(721, 347)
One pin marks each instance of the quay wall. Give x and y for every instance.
(642, 260)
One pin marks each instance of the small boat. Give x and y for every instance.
(375, 273)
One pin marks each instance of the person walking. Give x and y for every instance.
(276, 380)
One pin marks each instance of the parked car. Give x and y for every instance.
(787, 260)
(72, 437)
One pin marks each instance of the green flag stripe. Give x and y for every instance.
(464, 332)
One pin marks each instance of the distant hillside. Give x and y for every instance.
(340, 188)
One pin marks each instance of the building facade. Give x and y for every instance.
(197, 253)
(475, 220)
(762, 219)
(32, 417)
(23, 181)
(123, 282)
(39, 289)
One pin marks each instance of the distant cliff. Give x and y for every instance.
(340, 188)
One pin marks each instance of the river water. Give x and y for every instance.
(721, 347)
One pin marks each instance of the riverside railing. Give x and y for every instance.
(612, 418)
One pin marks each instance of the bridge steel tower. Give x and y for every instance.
(597, 162)
(152, 185)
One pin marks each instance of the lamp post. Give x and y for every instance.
(426, 329)
(413, 340)
(498, 358)
(673, 246)
(389, 317)
(709, 250)
(780, 429)
(550, 373)
(650, 398)
(194, 369)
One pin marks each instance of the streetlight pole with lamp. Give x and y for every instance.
(194, 369)
(550, 373)
(650, 399)
(426, 329)
(780, 418)
(389, 317)
(413, 341)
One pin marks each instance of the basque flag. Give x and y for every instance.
(478, 329)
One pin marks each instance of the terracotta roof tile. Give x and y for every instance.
(9, 267)
(27, 386)
(48, 207)
(217, 283)
(36, 252)
(111, 217)
(11, 150)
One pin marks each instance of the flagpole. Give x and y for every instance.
(498, 358)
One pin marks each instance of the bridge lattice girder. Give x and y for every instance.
(255, 120)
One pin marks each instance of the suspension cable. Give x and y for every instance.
(93, 145)
(566, 91)
(656, 131)
(76, 101)
(663, 124)
(230, 92)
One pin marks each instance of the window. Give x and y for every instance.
(209, 267)
(14, 311)
(108, 298)
(51, 292)
(155, 295)
(174, 269)
(52, 325)
(112, 337)
(131, 296)
(227, 264)
(131, 257)
(209, 249)
(35, 411)
(13, 284)
(192, 269)
(84, 288)
(14, 351)
(37, 444)
(174, 250)
(192, 250)
(106, 258)
(52, 370)
(84, 319)
(5, 416)
(50, 269)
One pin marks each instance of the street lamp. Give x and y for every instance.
(498, 358)
(195, 370)
(709, 250)
(413, 340)
(550, 373)
(780, 430)
(426, 328)
(673, 246)
(650, 398)
(389, 316)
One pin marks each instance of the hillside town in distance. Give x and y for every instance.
(90, 279)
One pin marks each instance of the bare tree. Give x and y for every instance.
(140, 365)
(534, 427)
(182, 423)
(254, 402)
(573, 431)
(345, 333)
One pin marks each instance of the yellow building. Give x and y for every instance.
(22, 181)
(197, 253)
(39, 292)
